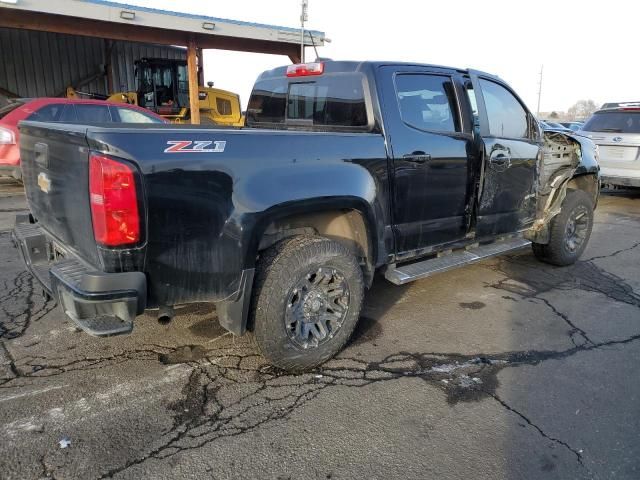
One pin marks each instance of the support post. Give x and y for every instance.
(200, 68)
(108, 49)
(192, 72)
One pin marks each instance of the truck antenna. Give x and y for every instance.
(304, 17)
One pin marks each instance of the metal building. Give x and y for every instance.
(44, 64)
(48, 45)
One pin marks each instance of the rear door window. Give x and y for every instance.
(69, 114)
(615, 122)
(427, 102)
(90, 113)
(330, 101)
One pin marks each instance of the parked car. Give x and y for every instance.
(59, 110)
(620, 104)
(344, 169)
(616, 131)
(573, 126)
(553, 126)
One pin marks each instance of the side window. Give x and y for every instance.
(223, 106)
(129, 115)
(507, 116)
(93, 113)
(48, 113)
(69, 114)
(427, 102)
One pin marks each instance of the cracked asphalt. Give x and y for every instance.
(505, 369)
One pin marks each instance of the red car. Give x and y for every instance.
(59, 110)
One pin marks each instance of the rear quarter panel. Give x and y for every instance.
(206, 210)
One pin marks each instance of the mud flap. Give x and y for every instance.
(233, 314)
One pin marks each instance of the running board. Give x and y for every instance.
(458, 258)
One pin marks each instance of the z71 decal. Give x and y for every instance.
(195, 146)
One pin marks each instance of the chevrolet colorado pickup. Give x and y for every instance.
(343, 169)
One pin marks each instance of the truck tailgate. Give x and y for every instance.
(55, 168)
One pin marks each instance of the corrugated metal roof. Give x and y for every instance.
(198, 17)
(110, 12)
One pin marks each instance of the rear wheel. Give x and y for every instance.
(570, 231)
(307, 301)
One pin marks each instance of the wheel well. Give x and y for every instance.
(345, 226)
(588, 183)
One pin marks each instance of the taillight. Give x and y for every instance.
(7, 137)
(305, 69)
(114, 202)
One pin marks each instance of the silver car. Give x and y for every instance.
(616, 131)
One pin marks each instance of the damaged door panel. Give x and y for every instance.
(510, 147)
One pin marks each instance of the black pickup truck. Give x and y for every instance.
(343, 169)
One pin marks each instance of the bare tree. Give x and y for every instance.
(582, 109)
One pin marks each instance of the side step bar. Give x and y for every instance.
(414, 271)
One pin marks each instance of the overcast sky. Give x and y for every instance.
(589, 49)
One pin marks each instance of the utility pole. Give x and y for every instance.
(304, 17)
(539, 90)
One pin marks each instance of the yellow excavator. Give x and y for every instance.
(163, 87)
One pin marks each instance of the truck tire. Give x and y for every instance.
(570, 231)
(307, 299)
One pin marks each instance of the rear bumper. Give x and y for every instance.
(622, 181)
(100, 303)
(11, 171)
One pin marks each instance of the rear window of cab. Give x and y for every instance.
(329, 102)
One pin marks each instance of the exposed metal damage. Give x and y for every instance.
(561, 156)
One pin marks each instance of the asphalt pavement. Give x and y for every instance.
(504, 369)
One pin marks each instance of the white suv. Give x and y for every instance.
(616, 131)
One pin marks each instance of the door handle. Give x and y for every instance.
(416, 157)
(500, 158)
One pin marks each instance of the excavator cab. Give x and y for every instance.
(163, 86)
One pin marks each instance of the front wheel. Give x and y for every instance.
(307, 300)
(570, 231)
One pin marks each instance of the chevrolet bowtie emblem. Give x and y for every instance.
(44, 182)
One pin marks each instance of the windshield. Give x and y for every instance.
(618, 122)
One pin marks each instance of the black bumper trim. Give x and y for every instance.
(620, 181)
(100, 303)
(11, 171)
